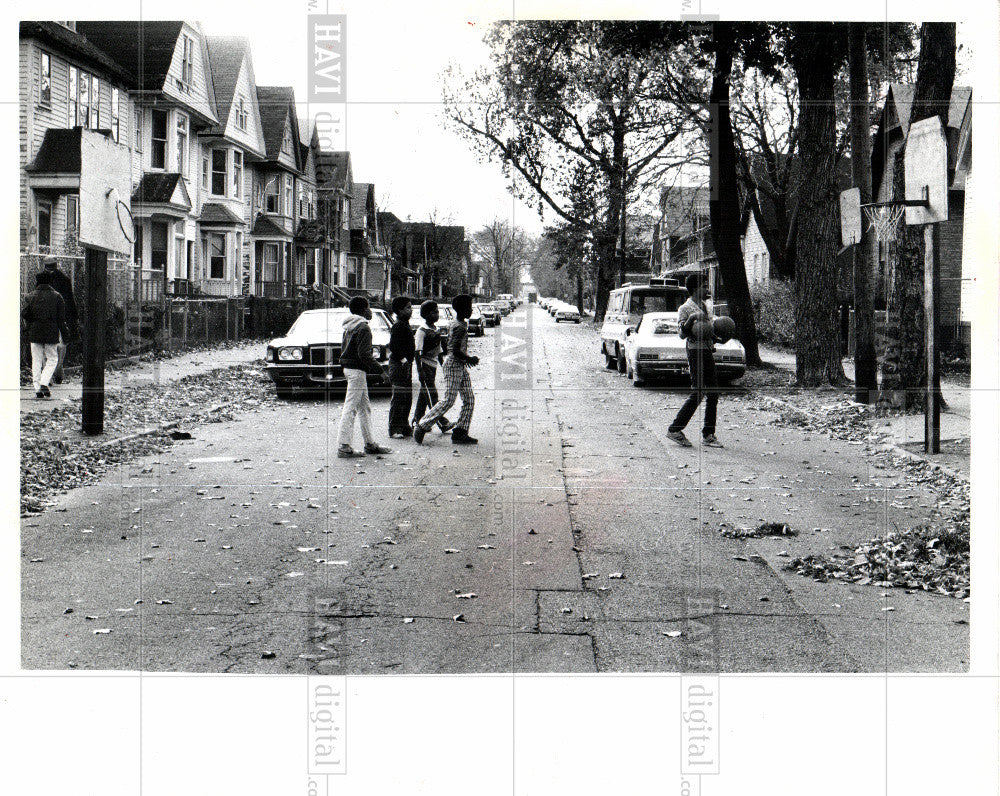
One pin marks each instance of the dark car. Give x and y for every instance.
(307, 358)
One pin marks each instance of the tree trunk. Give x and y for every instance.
(817, 327)
(605, 246)
(904, 370)
(724, 205)
(865, 362)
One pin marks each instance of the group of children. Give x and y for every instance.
(425, 348)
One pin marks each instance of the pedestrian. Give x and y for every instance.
(701, 364)
(63, 285)
(430, 354)
(401, 353)
(456, 377)
(357, 361)
(44, 317)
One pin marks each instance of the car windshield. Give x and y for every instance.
(659, 301)
(320, 323)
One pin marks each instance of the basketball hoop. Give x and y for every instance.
(126, 222)
(884, 219)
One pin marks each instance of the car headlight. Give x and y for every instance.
(290, 354)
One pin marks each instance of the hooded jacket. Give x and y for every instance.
(356, 348)
(44, 315)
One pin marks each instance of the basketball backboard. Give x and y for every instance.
(105, 181)
(850, 216)
(925, 165)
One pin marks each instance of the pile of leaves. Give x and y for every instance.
(927, 558)
(764, 529)
(56, 456)
(843, 419)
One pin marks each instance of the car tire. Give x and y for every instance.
(284, 393)
(609, 361)
(577, 320)
(621, 360)
(637, 380)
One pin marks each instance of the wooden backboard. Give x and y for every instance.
(105, 179)
(850, 216)
(926, 165)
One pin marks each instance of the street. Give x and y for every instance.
(574, 538)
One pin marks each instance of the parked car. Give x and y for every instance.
(567, 312)
(491, 315)
(476, 323)
(656, 350)
(307, 358)
(446, 314)
(626, 305)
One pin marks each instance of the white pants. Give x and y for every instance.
(356, 403)
(44, 358)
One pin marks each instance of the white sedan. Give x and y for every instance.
(655, 349)
(566, 312)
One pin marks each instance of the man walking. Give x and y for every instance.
(691, 316)
(357, 361)
(63, 285)
(401, 353)
(44, 316)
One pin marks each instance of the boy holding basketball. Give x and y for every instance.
(696, 328)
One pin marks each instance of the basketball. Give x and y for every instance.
(725, 328)
(701, 330)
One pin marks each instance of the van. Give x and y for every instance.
(626, 306)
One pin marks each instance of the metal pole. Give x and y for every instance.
(932, 390)
(94, 320)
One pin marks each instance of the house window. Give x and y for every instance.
(272, 196)
(286, 141)
(179, 270)
(270, 262)
(289, 205)
(182, 139)
(72, 212)
(158, 151)
(138, 129)
(95, 101)
(216, 255)
(219, 172)
(159, 236)
(204, 172)
(352, 273)
(44, 223)
(187, 61)
(237, 173)
(74, 91)
(241, 114)
(83, 112)
(115, 115)
(45, 81)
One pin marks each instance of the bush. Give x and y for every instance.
(774, 312)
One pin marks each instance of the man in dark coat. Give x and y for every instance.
(64, 287)
(44, 316)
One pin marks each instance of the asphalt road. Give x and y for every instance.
(574, 538)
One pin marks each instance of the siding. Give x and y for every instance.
(197, 99)
(755, 255)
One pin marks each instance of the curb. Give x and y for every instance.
(146, 432)
(887, 448)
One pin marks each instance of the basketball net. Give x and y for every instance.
(884, 221)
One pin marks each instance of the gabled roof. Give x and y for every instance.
(215, 213)
(71, 42)
(265, 227)
(333, 170)
(277, 106)
(144, 49)
(159, 188)
(225, 55)
(59, 153)
(361, 192)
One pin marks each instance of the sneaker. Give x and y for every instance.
(45, 391)
(418, 435)
(374, 447)
(57, 379)
(679, 438)
(710, 441)
(446, 425)
(397, 435)
(347, 452)
(40, 395)
(461, 437)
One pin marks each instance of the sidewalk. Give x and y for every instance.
(154, 372)
(907, 431)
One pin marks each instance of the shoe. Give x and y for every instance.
(45, 391)
(710, 441)
(461, 437)
(418, 435)
(679, 438)
(57, 379)
(446, 426)
(347, 452)
(40, 395)
(374, 447)
(397, 435)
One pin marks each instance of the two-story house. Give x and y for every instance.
(366, 261)
(334, 187)
(69, 89)
(229, 150)
(174, 98)
(273, 202)
(311, 250)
